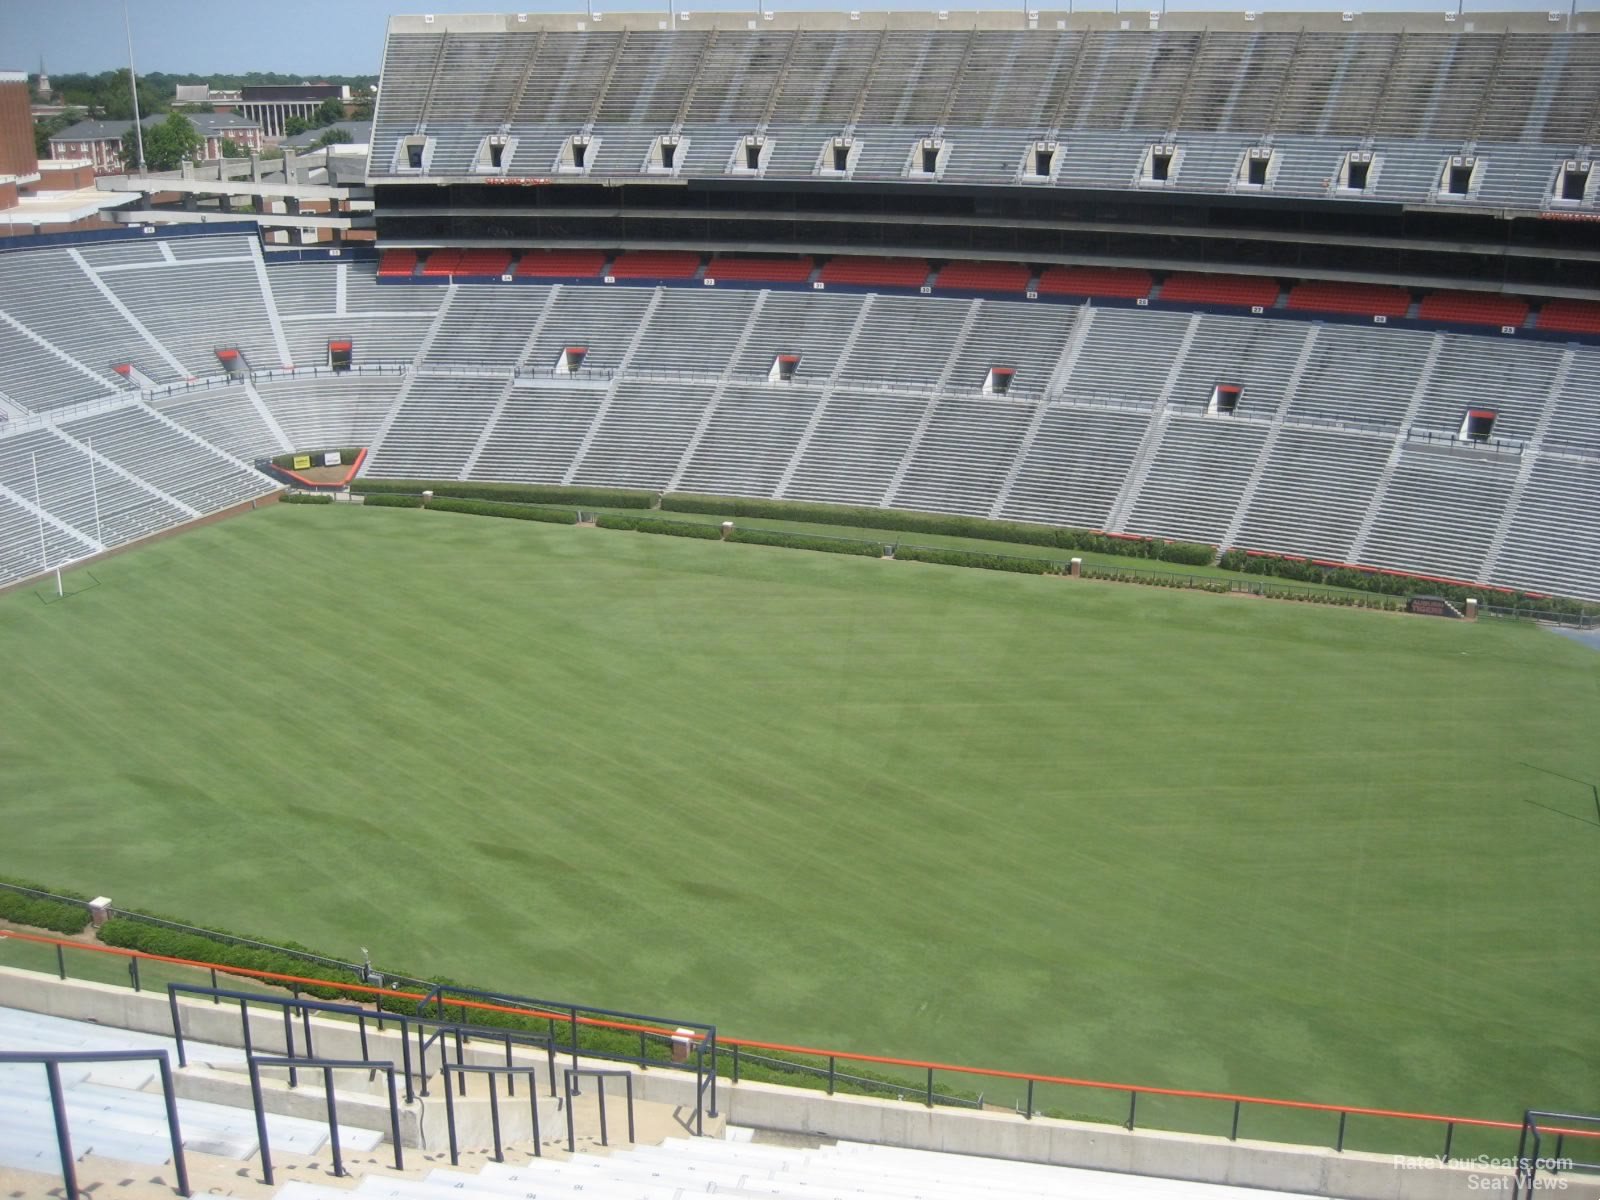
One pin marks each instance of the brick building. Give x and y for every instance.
(17, 158)
(101, 142)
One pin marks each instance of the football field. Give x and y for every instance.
(1099, 830)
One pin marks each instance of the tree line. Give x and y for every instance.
(107, 96)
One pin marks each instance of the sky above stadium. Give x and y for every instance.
(345, 37)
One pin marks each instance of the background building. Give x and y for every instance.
(101, 142)
(16, 127)
(273, 105)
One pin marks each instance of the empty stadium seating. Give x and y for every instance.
(1122, 283)
(747, 1168)
(491, 263)
(111, 1111)
(1360, 299)
(442, 262)
(397, 264)
(656, 264)
(1310, 93)
(761, 270)
(1570, 316)
(1242, 291)
(983, 277)
(1473, 308)
(856, 271)
(560, 264)
(1103, 417)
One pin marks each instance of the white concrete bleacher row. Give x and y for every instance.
(115, 1110)
(886, 408)
(102, 478)
(1416, 98)
(738, 1167)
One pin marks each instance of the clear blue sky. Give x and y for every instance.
(345, 37)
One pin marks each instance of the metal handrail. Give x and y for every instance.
(511, 1073)
(51, 1060)
(327, 1066)
(569, 1085)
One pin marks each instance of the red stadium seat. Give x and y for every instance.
(1361, 299)
(442, 262)
(860, 271)
(560, 264)
(1119, 283)
(1473, 308)
(1570, 316)
(484, 262)
(762, 270)
(1243, 291)
(656, 264)
(394, 264)
(983, 277)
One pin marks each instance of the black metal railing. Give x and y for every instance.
(1530, 1148)
(461, 1071)
(569, 1086)
(327, 1066)
(52, 1060)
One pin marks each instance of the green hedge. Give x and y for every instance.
(1155, 579)
(689, 529)
(130, 934)
(346, 457)
(307, 498)
(1302, 570)
(1057, 537)
(968, 558)
(515, 493)
(492, 508)
(805, 541)
(394, 501)
(56, 915)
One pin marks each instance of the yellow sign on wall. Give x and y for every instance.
(302, 462)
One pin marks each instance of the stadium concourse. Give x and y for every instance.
(1346, 440)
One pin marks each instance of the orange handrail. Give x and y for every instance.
(883, 1060)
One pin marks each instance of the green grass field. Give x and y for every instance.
(1091, 829)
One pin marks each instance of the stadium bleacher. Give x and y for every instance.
(1322, 407)
(990, 94)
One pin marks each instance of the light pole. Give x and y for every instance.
(133, 85)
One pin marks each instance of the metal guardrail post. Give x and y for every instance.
(1339, 1146)
(169, 1098)
(58, 1108)
(261, 1122)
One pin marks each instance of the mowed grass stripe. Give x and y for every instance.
(1171, 838)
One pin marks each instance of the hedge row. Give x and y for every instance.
(1153, 579)
(307, 498)
(394, 501)
(130, 934)
(492, 508)
(1387, 583)
(515, 493)
(1060, 538)
(689, 529)
(805, 541)
(968, 558)
(286, 461)
(55, 915)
